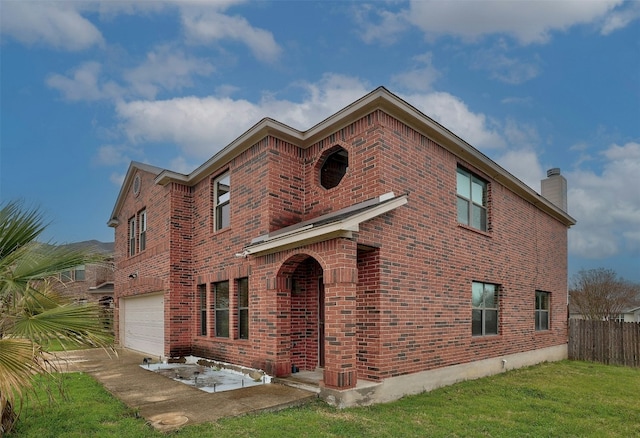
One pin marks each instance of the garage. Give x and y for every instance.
(143, 320)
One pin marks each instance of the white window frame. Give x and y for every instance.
(221, 201)
(79, 268)
(471, 201)
(539, 311)
(142, 227)
(132, 236)
(483, 308)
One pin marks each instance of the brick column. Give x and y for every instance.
(340, 370)
(278, 362)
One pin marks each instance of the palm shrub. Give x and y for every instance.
(32, 314)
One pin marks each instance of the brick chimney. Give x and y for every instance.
(554, 188)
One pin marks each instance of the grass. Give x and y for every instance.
(572, 399)
(56, 345)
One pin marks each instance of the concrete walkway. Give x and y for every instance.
(168, 404)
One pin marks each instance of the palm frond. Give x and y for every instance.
(31, 314)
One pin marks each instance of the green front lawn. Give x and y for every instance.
(576, 399)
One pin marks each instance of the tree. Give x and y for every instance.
(31, 313)
(599, 294)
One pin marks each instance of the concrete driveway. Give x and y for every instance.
(168, 404)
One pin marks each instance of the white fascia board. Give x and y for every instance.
(309, 234)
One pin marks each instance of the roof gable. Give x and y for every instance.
(126, 185)
(379, 99)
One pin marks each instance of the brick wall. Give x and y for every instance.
(400, 304)
(151, 265)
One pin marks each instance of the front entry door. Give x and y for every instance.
(320, 322)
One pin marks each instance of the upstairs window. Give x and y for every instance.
(76, 274)
(334, 167)
(142, 238)
(542, 310)
(132, 236)
(79, 273)
(221, 196)
(484, 309)
(472, 200)
(138, 233)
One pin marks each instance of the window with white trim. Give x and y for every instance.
(79, 273)
(142, 226)
(76, 274)
(472, 199)
(221, 198)
(484, 309)
(542, 310)
(132, 236)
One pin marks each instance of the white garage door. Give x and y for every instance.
(144, 324)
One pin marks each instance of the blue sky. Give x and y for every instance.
(88, 86)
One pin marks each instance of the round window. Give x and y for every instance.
(136, 185)
(334, 167)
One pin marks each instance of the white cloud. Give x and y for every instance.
(520, 158)
(529, 21)
(180, 165)
(388, 24)
(620, 19)
(111, 155)
(202, 126)
(524, 165)
(421, 77)
(165, 69)
(84, 84)
(61, 24)
(207, 25)
(117, 178)
(453, 113)
(504, 68)
(606, 203)
(56, 24)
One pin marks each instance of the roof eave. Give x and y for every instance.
(310, 234)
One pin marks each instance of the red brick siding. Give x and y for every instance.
(401, 308)
(428, 263)
(152, 264)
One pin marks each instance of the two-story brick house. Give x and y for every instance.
(377, 246)
(92, 282)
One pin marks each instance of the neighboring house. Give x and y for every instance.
(377, 246)
(92, 282)
(629, 314)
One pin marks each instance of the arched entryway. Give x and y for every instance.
(304, 276)
(316, 302)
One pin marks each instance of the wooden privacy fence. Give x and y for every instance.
(615, 343)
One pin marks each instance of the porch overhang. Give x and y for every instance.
(341, 223)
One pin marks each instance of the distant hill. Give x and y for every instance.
(92, 245)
